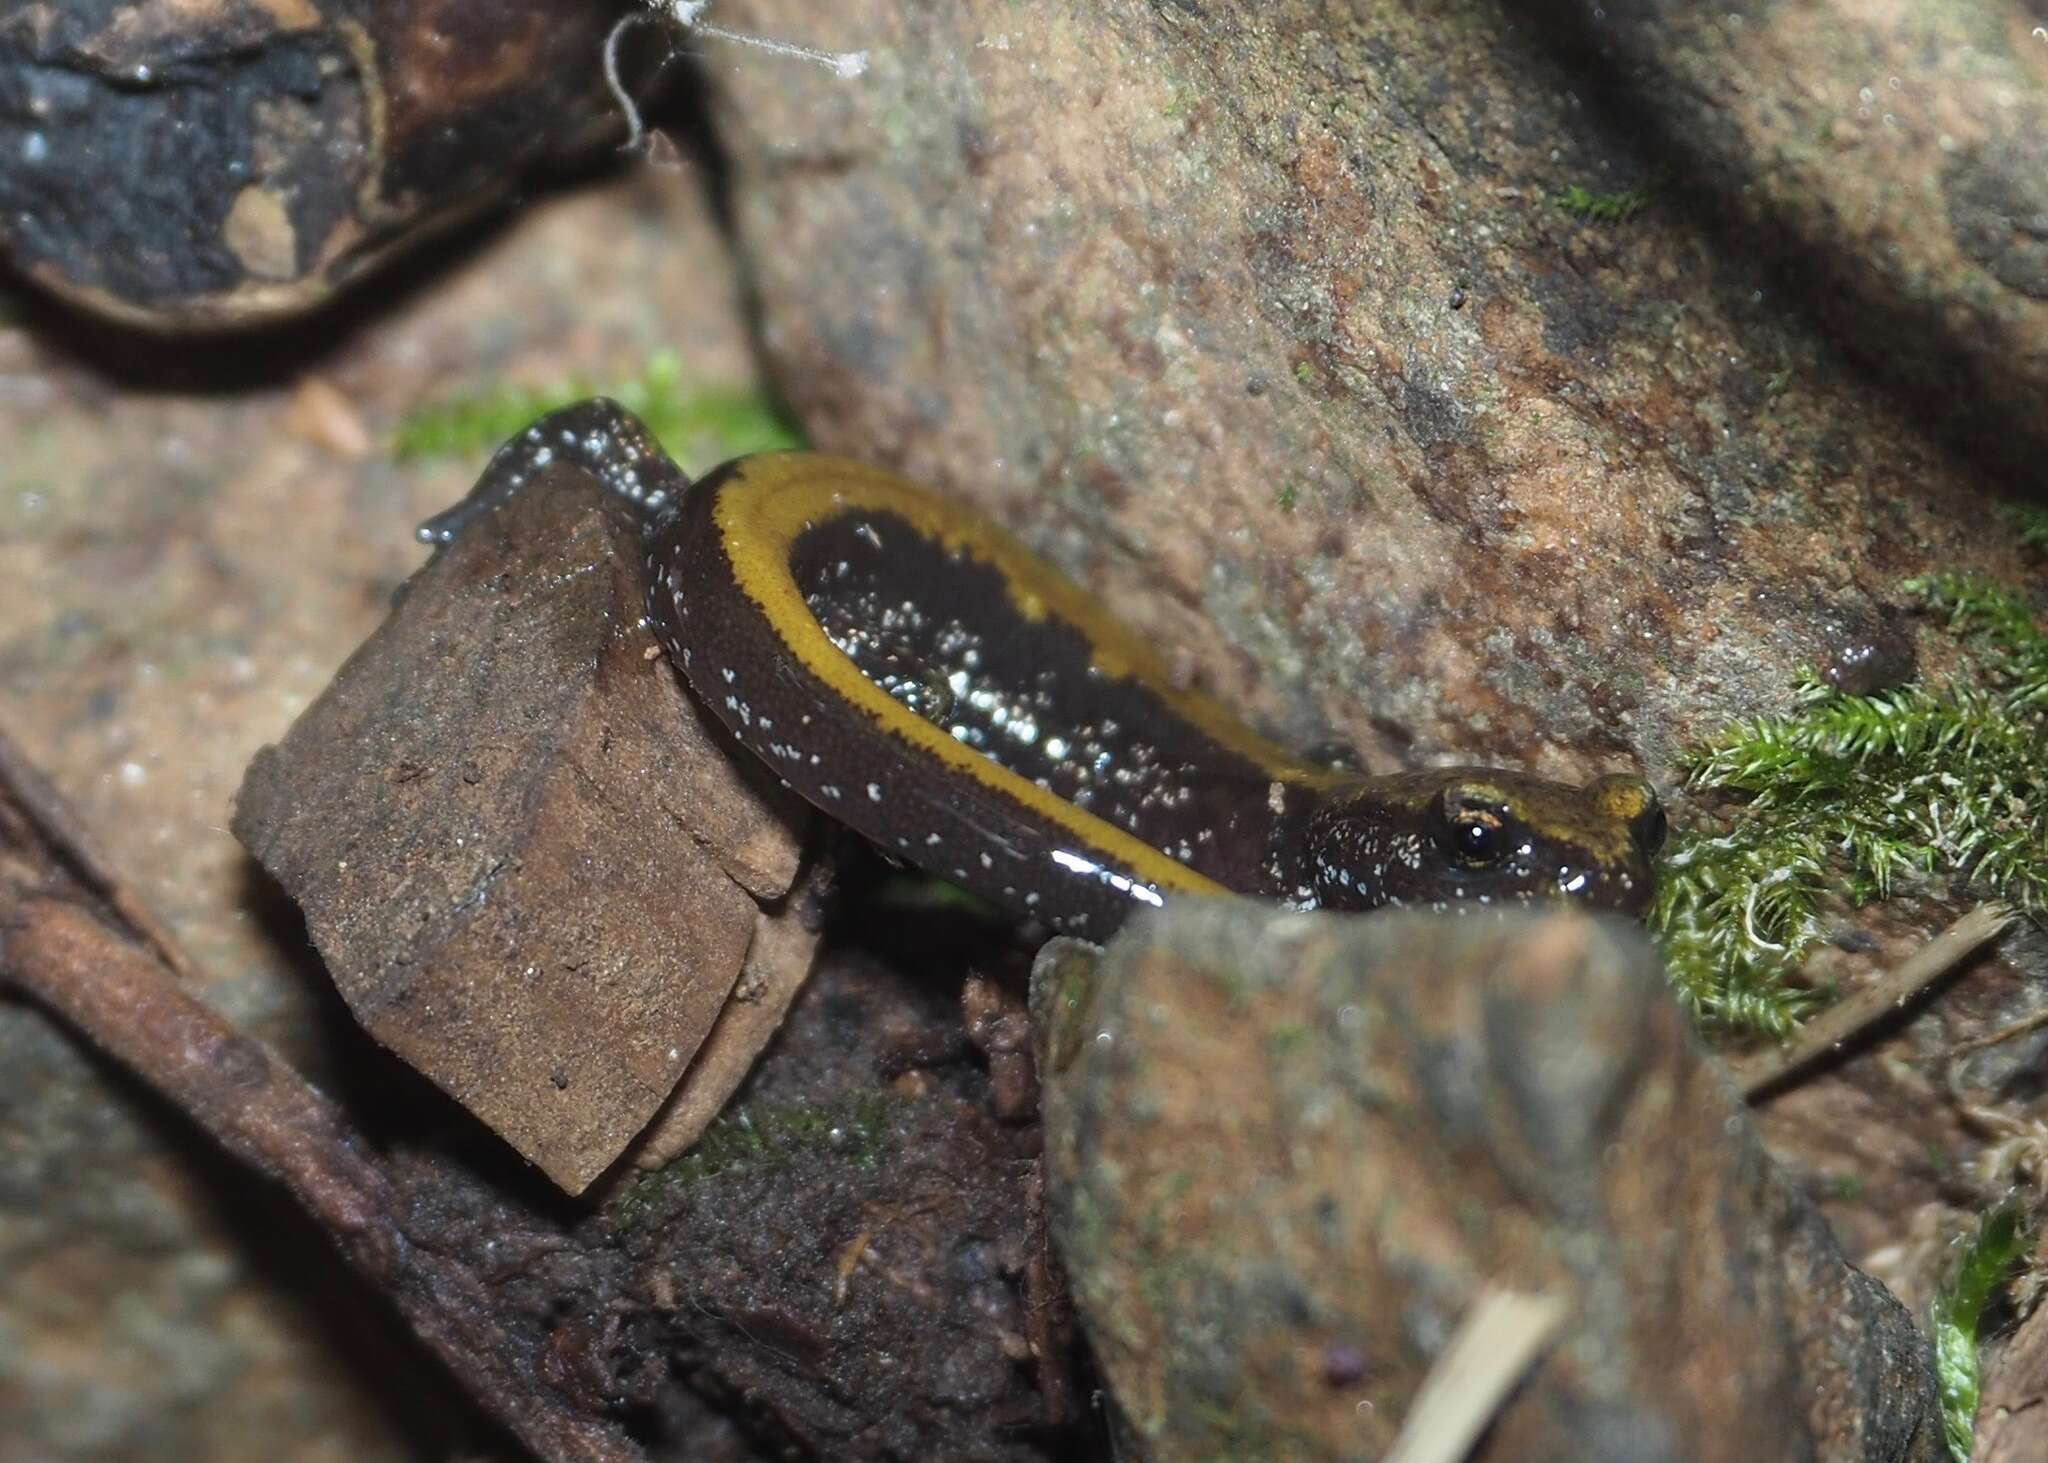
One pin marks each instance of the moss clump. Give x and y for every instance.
(1846, 795)
(2031, 519)
(1603, 208)
(1955, 1321)
(743, 1140)
(697, 425)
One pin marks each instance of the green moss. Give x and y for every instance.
(2031, 519)
(1603, 208)
(1287, 498)
(698, 425)
(1955, 1321)
(1845, 796)
(742, 1140)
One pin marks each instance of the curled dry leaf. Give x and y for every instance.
(534, 871)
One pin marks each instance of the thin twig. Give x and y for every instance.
(1833, 1029)
(1498, 1341)
(63, 836)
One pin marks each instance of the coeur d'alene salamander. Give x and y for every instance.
(919, 675)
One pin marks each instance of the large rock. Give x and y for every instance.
(1279, 302)
(1287, 1154)
(1891, 161)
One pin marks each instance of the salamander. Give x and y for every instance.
(919, 675)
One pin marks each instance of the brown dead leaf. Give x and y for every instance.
(531, 866)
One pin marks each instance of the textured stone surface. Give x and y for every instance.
(1890, 159)
(1286, 1153)
(1266, 318)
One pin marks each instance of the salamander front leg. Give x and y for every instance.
(599, 436)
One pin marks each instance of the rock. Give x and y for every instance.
(1886, 164)
(1287, 1153)
(1272, 325)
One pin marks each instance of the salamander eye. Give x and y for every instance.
(1472, 833)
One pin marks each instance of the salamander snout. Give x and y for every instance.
(1633, 802)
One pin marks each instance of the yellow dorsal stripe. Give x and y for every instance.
(772, 499)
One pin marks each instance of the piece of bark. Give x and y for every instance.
(222, 164)
(533, 869)
(1280, 305)
(1288, 1153)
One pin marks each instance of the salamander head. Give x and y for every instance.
(1463, 835)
